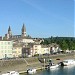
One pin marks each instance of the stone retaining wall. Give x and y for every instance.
(13, 62)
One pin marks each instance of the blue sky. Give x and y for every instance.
(42, 18)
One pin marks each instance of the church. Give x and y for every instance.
(10, 36)
(23, 38)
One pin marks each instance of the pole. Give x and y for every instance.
(44, 63)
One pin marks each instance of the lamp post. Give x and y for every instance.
(44, 62)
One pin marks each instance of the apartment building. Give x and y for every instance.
(45, 49)
(17, 51)
(36, 49)
(6, 48)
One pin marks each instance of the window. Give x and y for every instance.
(5, 51)
(35, 46)
(26, 50)
(5, 47)
(9, 51)
(8, 43)
(2, 51)
(1, 43)
(5, 43)
(2, 47)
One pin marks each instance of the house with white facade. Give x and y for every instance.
(6, 48)
(45, 49)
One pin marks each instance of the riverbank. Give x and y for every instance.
(19, 64)
(22, 65)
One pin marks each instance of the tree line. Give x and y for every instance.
(63, 42)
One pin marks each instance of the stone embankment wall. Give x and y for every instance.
(18, 61)
(32, 60)
(22, 64)
(12, 62)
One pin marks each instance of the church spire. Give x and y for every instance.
(9, 29)
(9, 32)
(23, 30)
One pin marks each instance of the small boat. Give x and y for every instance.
(31, 71)
(68, 62)
(11, 73)
(54, 66)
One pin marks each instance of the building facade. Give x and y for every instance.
(45, 50)
(36, 49)
(6, 48)
(17, 51)
(27, 40)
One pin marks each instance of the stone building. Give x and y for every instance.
(10, 36)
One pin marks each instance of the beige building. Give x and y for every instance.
(45, 49)
(41, 49)
(38, 40)
(26, 40)
(36, 49)
(17, 50)
(6, 48)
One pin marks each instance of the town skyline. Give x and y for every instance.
(23, 32)
(41, 18)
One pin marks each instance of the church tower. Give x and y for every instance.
(9, 32)
(23, 31)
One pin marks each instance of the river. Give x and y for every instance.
(67, 70)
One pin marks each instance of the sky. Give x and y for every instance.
(42, 18)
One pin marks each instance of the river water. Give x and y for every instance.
(67, 70)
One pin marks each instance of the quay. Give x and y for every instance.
(21, 66)
(38, 68)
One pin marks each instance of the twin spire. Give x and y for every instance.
(23, 31)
